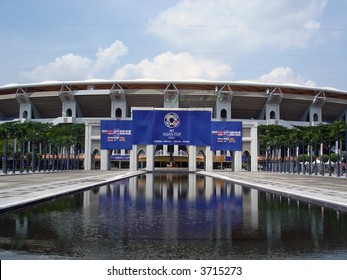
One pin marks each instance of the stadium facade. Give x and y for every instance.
(251, 103)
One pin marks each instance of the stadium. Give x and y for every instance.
(93, 101)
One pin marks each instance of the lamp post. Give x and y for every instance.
(346, 152)
(5, 153)
(21, 153)
(14, 154)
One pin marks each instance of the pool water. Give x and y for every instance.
(173, 216)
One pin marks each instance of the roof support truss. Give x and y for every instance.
(66, 95)
(171, 93)
(224, 93)
(26, 108)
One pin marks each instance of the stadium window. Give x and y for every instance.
(119, 113)
(272, 115)
(315, 117)
(223, 114)
(69, 112)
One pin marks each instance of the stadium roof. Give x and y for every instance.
(248, 98)
(249, 86)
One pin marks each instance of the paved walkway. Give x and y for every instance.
(324, 191)
(20, 190)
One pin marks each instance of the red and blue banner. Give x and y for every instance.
(226, 136)
(171, 127)
(116, 134)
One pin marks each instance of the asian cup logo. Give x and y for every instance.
(172, 120)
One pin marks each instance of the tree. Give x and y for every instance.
(36, 137)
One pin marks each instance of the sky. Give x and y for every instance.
(279, 41)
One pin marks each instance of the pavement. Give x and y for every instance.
(325, 191)
(21, 190)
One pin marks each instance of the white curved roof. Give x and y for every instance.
(247, 102)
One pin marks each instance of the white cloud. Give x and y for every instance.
(109, 56)
(66, 67)
(171, 66)
(284, 75)
(239, 25)
(74, 67)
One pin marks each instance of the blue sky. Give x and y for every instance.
(280, 41)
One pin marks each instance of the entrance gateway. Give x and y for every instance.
(170, 130)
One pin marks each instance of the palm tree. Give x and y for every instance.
(338, 129)
(294, 141)
(264, 139)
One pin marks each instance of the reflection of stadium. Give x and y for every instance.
(90, 101)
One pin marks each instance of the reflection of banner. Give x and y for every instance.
(226, 136)
(116, 135)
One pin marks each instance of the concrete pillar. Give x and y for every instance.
(315, 114)
(208, 159)
(118, 102)
(133, 158)
(105, 160)
(223, 102)
(150, 158)
(272, 105)
(238, 161)
(70, 106)
(192, 158)
(88, 149)
(272, 111)
(176, 150)
(254, 148)
(25, 111)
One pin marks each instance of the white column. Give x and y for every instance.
(133, 158)
(192, 158)
(105, 160)
(87, 149)
(238, 161)
(176, 150)
(254, 149)
(208, 159)
(150, 158)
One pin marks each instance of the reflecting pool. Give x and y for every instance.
(173, 216)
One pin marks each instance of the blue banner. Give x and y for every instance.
(226, 136)
(116, 135)
(120, 157)
(143, 126)
(171, 128)
(200, 128)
